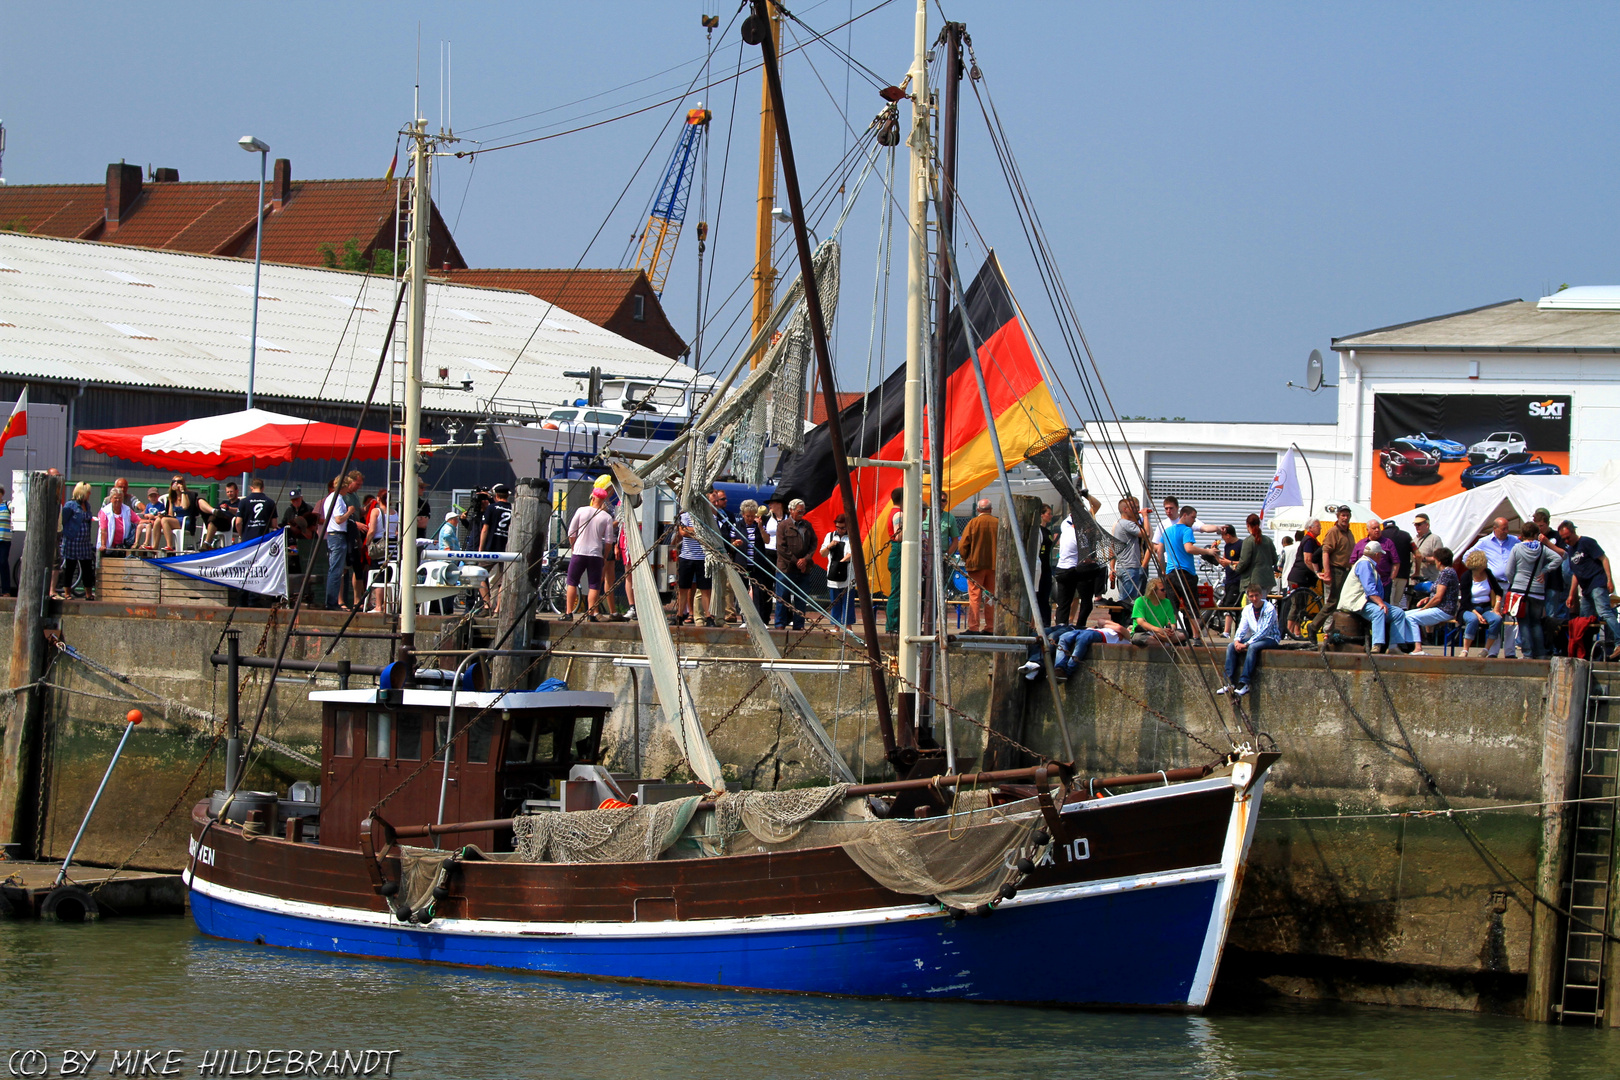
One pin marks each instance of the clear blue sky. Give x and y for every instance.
(1227, 185)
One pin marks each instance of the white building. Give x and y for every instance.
(1567, 346)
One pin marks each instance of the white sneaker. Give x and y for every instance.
(1033, 665)
(1241, 691)
(1224, 689)
(1032, 673)
(630, 612)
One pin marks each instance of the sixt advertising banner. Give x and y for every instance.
(1429, 446)
(256, 566)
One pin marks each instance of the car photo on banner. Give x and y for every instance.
(1406, 461)
(1426, 447)
(1442, 449)
(1498, 446)
(1515, 465)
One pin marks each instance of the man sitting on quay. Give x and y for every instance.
(1257, 631)
(1363, 595)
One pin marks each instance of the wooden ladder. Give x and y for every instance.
(1592, 859)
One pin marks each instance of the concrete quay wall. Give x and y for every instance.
(1340, 901)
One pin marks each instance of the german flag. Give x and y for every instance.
(1027, 420)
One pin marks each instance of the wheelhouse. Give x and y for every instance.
(506, 750)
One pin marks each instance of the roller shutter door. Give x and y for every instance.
(1225, 488)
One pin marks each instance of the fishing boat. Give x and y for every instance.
(459, 823)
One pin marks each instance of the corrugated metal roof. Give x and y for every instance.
(1509, 326)
(99, 313)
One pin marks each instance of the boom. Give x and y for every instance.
(669, 209)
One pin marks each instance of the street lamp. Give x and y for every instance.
(258, 146)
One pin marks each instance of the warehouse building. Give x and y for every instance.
(120, 336)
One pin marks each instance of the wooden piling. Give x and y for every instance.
(19, 760)
(1006, 713)
(516, 617)
(1564, 716)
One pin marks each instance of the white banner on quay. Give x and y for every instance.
(257, 566)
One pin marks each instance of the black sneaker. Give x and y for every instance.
(708, 620)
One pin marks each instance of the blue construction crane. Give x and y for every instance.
(669, 209)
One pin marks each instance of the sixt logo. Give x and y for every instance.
(1547, 410)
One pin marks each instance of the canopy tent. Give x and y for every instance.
(234, 443)
(1593, 505)
(1459, 518)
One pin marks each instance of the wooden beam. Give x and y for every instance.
(19, 759)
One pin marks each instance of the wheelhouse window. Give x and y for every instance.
(379, 734)
(479, 736)
(408, 736)
(343, 733)
(441, 731)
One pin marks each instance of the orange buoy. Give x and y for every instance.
(133, 716)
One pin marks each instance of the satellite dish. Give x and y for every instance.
(1313, 371)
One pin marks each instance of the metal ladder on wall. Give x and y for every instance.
(1592, 856)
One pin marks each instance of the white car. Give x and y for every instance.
(1498, 445)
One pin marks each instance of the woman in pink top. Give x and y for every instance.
(588, 536)
(115, 523)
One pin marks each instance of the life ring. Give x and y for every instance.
(550, 425)
(69, 904)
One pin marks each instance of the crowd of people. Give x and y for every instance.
(1547, 587)
(1538, 591)
(357, 532)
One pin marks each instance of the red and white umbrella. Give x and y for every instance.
(221, 446)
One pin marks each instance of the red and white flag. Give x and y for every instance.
(18, 423)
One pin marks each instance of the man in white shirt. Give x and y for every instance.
(1257, 631)
(335, 511)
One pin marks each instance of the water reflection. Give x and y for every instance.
(157, 984)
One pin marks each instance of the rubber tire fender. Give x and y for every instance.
(61, 903)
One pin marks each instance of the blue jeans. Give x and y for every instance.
(843, 604)
(790, 594)
(1471, 623)
(1390, 625)
(337, 566)
(1595, 601)
(1132, 583)
(1251, 659)
(1424, 618)
(1073, 647)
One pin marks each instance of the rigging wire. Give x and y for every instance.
(647, 108)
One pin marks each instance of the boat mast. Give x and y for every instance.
(416, 315)
(934, 670)
(755, 31)
(765, 223)
(916, 370)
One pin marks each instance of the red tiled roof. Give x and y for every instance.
(818, 408)
(217, 217)
(65, 210)
(604, 297)
(593, 295)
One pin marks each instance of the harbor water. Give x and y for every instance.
(156, 985)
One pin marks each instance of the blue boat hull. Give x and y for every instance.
(1140, 946)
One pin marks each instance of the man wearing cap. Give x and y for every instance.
(1424, 546)
(1338, 552)
(1389, 623)
(497, 530)
(448, 538)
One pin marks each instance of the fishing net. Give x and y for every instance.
(629, 834)
(773, 817)
(961, 866)
(1056, 463)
